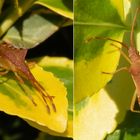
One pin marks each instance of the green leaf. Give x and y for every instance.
(125, 134)
(103, 19)
(128, 129)
(8, 18)
(62, 7)
(32, 30)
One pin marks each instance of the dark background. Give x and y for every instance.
(59, 44)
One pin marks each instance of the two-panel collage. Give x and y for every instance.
(69, 70)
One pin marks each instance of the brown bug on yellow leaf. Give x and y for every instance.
(13, 59)
(133, 58)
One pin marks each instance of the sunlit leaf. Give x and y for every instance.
(90, 119)
(14, 100)
(105, 118)
(98, 113)
(63, 69)
(107, 109)
(95, 56)
(62, 7)
(68, 132)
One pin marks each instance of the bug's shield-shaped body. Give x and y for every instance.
(135, 69)
(13, 59)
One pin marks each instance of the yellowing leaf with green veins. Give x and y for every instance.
(105, 109)
(92, 57)
(15, 101)
(98, 112)
(62, 7)
(88, 71)
(62, 68)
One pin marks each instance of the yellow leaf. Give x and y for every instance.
(99, 115)
(57, 62)
(95, 118)
(14, 101)
(67, 133)
(118, 5)
(89, 71)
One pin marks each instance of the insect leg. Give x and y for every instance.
(3, 72)
(132, 105)
(106, 38)
(122, 53)
(19, 78)
(31, 64)
(21, 81)
(44, 94)
(121, 69)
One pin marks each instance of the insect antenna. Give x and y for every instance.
(106, 38)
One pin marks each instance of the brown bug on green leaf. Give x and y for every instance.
(13, 59)
(133, 58)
